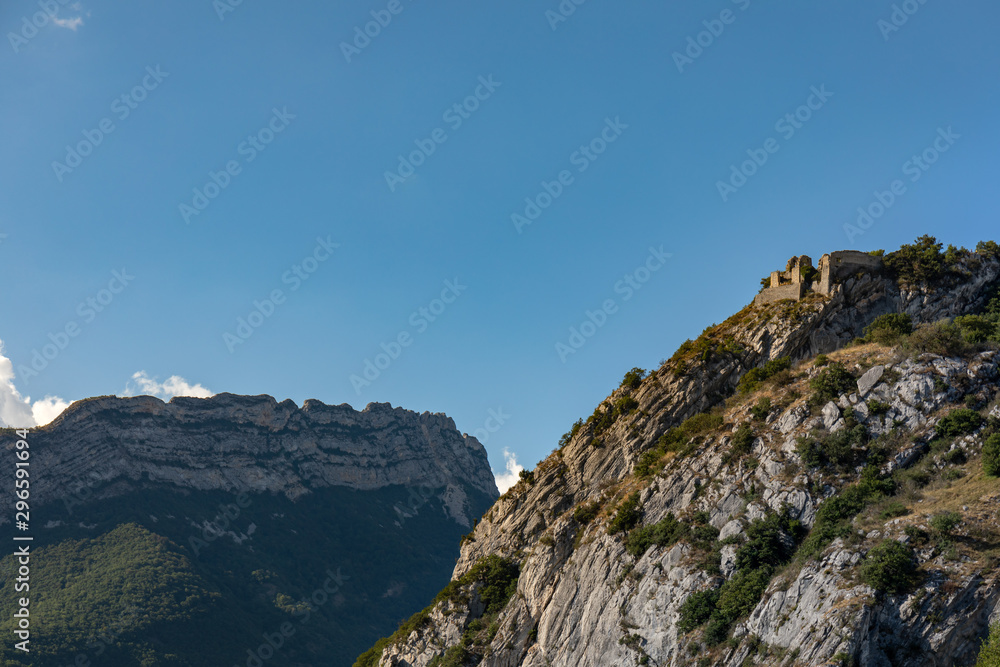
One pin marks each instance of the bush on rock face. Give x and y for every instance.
(628, 515)
(989, 655)
(920, 262)
(889, 329)
(991, 456)
(959, 422)
(832, 382)
(752, 379)
(889, 567)
(633, 379)
(943, 338)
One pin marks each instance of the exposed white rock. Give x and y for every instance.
(871, 378)
(792, 418)
(831, 415)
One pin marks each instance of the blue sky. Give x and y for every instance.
(292, 126)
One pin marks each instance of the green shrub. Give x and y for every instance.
(989, 655)
(752, 378)
(889, 567)
(944, 523)
(954, 456)
(663, 533)
(976, 328)
(586, 512)
(761, 410)
(839, 447)
(766, 547)
(832, 382)
(833, 518)
(889, 329)
(809, 451)
(604, 418)
(628, 515)
(703, 536)
(988, 248)
(877, 407)
(822, 360)
(633, 379)
(743, 440)
(742, 592)
(834, 448)
(920, 262)
(669, 531)
(916, 535)
(941, 338)
(992, 309)
(498, 577)
(717, 631)
(649, 463)
(991, 455)
(697, 609)
(676, 439)
(626, 405)
(570, 434)
(701, 423)
(959, 422)
(765, 544)
(527, 475)
(844, 659)
(455, 656)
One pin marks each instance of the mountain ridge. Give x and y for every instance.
(584, 597)
(253, 443)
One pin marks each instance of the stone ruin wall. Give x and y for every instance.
(833, 268)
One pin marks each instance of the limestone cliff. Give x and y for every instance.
(103, 447)
(589, 595)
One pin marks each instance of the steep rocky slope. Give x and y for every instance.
(639, 509)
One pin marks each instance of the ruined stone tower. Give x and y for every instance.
(833, 268)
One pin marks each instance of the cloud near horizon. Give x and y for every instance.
(510, 478)
(18, 411)
(175, 385)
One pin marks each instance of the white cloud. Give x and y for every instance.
(175, 385)
(71, 24)
(17, 410)
(47, 409)
(513, 474)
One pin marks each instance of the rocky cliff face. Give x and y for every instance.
(328, 523)
(583, 598)
(102, 447)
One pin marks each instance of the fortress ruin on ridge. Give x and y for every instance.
(800, 277)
